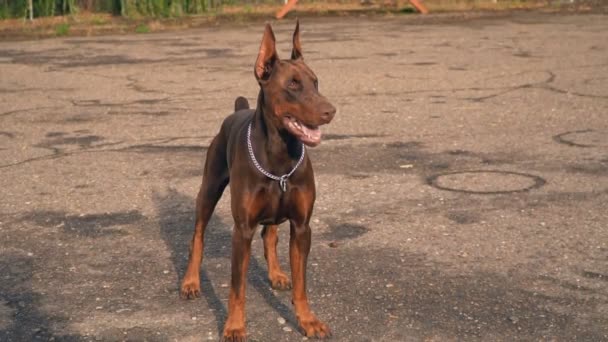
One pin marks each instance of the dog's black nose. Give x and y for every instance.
(328, 112)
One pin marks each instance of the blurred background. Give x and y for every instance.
(172, 8)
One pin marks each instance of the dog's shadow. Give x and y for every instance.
(176, 220)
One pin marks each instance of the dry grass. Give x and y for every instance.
(484, 5)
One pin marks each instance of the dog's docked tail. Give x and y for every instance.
(240, 103)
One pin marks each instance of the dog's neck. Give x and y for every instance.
(278, 147)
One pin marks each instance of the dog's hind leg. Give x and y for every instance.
(278, 279)
(215, 179)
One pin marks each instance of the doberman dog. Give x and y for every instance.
(261, 153)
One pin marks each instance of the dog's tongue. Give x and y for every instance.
(311, 136)
(306, 134)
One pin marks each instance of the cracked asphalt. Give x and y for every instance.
(462, 187)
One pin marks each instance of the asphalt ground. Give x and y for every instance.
(462, 186)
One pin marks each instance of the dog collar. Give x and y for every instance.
(282, 179)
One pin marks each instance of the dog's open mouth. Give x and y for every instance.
(308, 135)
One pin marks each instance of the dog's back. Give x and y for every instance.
(234, 124)
(240, 103)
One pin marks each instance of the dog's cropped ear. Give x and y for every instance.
(296, 52)
(267, 57)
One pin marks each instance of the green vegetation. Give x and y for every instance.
(99, 21)
(127, 8)
(142, 28)
(62, 29)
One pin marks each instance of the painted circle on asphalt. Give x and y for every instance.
(486, 182)
(583, 138)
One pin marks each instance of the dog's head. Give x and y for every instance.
(291, 90)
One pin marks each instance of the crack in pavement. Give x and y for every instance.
(153, 145)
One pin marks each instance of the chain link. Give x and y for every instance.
(282, 179)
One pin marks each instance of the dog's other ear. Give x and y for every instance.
(296, 52)
(267, 56)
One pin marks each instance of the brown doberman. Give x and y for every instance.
(261, 153)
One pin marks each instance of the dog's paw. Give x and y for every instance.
(190, 290)
(312, 327)
(279, 281)
(234, 335)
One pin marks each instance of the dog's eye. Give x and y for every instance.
(316, 84)
(293, 84)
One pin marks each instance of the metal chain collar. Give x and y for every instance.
(282, 179)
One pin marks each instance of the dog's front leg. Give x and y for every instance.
(299, 247)
(234, 329)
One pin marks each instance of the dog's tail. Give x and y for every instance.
(240, 103)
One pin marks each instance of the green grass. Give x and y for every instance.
(128, 8)
(407, 10)
(99, 21)
(62, 29)
(142, 28)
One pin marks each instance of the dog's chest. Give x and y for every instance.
(276, 206)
